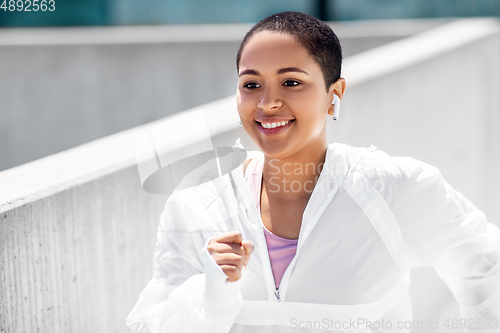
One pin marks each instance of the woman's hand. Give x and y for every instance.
(230, 252)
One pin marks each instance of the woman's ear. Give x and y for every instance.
(337, 88)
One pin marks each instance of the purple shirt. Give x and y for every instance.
(281, 250)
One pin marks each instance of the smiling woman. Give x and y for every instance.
(330, 249)
(278, 73)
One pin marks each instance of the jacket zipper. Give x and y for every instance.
(265, 259)
(277, 294)
(286, 276)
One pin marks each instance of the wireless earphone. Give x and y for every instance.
(336, 107)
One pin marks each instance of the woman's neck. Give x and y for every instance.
(293, 178)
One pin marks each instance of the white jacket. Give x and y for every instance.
(370, 219)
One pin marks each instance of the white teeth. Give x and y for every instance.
(274, 125)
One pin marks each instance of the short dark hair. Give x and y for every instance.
(315, 35)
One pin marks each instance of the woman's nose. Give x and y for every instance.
(270, 99)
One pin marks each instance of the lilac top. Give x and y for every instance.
(281, 250)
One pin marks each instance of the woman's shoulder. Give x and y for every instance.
(374, 162)
(392, 176)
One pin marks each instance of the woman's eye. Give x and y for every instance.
(291, 83)
(251, 85)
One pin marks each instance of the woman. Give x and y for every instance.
(316, 236)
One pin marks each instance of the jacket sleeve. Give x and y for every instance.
(448, 232)
(189, 292)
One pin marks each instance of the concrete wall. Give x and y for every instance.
(62, 87)
(77, 232)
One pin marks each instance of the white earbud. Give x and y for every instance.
(336, 107)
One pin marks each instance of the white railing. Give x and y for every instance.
(77, 232)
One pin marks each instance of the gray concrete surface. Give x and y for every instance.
(77, 232)
(62, 87)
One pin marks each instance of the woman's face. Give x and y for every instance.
(280, 82)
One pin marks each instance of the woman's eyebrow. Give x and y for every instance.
(291, 69)
(249, 72)
(280, 71)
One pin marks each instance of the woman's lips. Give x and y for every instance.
(276, 130)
